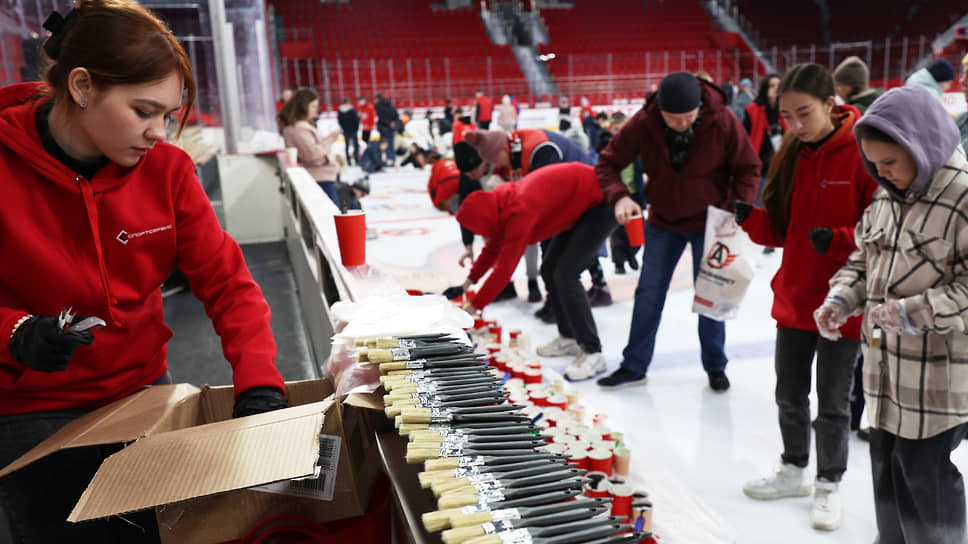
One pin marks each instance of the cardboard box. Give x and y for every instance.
(190, 461)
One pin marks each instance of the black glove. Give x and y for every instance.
(821, 237)
(41, 345)
(453, 292)
(741, 210)
(258, 400)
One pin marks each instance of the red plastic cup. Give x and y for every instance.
(600, 461)
(636, 231)
(622, 501)
(496, 331)
(579, 457)
(532, 375)
(351, 235)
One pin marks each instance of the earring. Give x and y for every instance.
(82, 104)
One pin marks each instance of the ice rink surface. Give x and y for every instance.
(692, 449)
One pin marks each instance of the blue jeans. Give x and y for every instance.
(662, 251)
(329, 187)
(389, 135)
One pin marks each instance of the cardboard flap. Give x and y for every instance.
(205, 460)
(372, 401)
(123, 421)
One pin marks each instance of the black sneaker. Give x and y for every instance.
(534, 294)
(621, 378)
(619, 268)
(718, 381)
(633, 264)
(508, 293)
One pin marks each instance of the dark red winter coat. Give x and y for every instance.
(513, 216)
(484, 108)
(103, 247)
(832, 188)
(720, 164)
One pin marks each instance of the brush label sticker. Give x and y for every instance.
(517, 536)
(450, 451)
(485, 477)
(506, 514)
(485, 486)
(470, 461)
(465, 472)
(491, 495)
(404, 355)
(408, 344)
(497, 527)
(473, 509)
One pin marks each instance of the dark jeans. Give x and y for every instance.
(351, 141)
(38, 498)
(622, 251)
(389, 135)
(663, 249)
(329, 187)
(484, 125)
(919, 494)
(567, 255)
(835, 370)
(857, 396)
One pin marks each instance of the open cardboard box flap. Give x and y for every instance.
(205, 460)
(147, 412)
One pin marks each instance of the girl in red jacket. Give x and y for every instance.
(817, 189)
(97, 211)
(367, 118)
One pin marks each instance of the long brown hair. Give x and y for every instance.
(297, 108)
(813, 80)
(119, 42)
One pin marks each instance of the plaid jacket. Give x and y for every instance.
(916, 386)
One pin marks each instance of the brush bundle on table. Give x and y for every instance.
(485, 461)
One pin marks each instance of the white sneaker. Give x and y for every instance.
(585, 366)
(559, 347)
(827, 508)
(786, 481)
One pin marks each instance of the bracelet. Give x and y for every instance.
(17, 325)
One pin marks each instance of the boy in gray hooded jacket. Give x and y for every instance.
(909, 276)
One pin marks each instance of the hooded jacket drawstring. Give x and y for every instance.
(90, 204)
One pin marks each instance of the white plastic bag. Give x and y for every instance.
(727, 267)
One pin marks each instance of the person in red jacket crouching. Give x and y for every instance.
(562, 201)
(97, 212)
(817, 190)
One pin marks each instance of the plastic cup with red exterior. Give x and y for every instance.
(622, 501)
(600, 460)
(580, 457)
(636, 231)
(351, 235)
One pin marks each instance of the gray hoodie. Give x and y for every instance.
(914, 119)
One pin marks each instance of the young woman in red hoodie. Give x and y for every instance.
(97, 211)
(816, 191)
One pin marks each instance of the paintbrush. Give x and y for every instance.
(479, 516)
(458, 500)
(440, 431)
(430, 477)
(488, 460)
(458, 535)
(377, 355)
(440, 519)
(418, 454)
(477, 399)
(487, 481)
(479, 414)
(567, 533)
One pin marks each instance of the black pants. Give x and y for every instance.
(351, 141)
(919, 495)
(622, 250)
(857, 396)
(835, 369)
(38, 498)
(366, 137)
(567, 255)
(484, 125)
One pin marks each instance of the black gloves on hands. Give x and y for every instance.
(821, 237)
(453, 292)
(39, 343)
(741, 210)
(258, 400)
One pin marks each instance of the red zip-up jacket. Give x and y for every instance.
(720, 164)
(103, 247)
(443, 183)
(367, 116)
(832, 189)
(513, 216)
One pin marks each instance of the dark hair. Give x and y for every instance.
(297, 108)
(816, 81)
(872, 134)
(119, 43)
(762, 94)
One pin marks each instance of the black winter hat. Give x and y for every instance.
(679, 92)
(942, 70)
(363, 184)
(466, 157)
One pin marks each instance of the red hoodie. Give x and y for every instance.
(513, 216)
(367, 116)
(103, 247)
(831, 189)
(443, 183)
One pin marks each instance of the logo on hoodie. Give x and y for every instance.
(719, 256)
(124, 236)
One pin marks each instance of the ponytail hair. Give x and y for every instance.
(813, 80)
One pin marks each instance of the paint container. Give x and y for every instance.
(579, 456)
(600, 460)
(598, 486)
(622, 500)
(621, 458)
(514, 337)
(495, 329)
